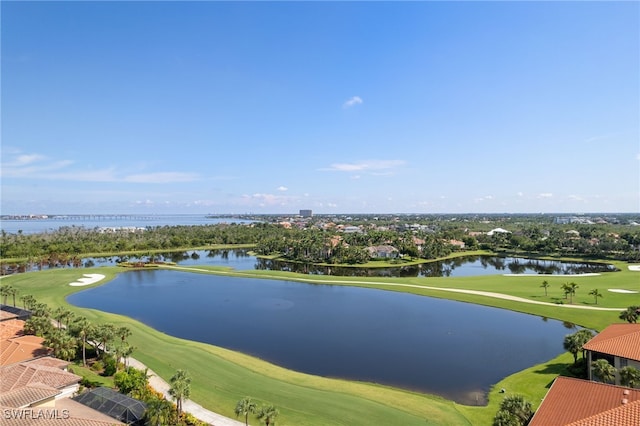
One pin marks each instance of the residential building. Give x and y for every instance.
(576, 402)
(619, 344)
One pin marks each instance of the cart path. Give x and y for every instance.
(197, 410)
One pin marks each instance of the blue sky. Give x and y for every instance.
(338, 107)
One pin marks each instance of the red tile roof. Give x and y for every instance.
(22, 374)
(620, 416)
(622, 340)
(21, 348)
(11, 328)
(578, 402)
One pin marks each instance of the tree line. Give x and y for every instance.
(320, 242)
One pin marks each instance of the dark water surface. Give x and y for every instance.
(453, 349)
(466, 266)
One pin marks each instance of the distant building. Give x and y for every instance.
(306, 213)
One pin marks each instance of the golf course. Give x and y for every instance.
(221, 377)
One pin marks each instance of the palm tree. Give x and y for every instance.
(245, 407)
(514, 410)
(603, 370)
(629, 376)
(159, 413)
(38, 325)
(566, 289)
(268, 414)
(631, 314)
(595, 293)
(572, 344)
(28, 301)
(11, 291)
(5, 292)
(124, 351)
(545, 284)
(63, 345)
(583, 336)
(505, 418)
(83, 328)
(572, 291)
(60, 314)
(180, 387)
(105, 333)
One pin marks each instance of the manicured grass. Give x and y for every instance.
(222, 377)
(91, 375)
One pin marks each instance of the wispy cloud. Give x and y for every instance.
(545, 195)
(600, 138)
(263, 200)
(283, 188)
(161, 177)
(365, 166)
(355, 100)
(36, 166)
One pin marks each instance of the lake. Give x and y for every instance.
(466, 266)
(34, 226)
(453, 349)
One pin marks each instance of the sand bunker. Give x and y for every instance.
(618, 290)
(89, 279)
(635, 268)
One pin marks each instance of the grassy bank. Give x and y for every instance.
(221, 377)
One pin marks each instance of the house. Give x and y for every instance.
(35, 390)
(36, 382)
(619, 344)
(384, 252)
(457, 243)
(577, 402)
(15, 346)
(498, 231)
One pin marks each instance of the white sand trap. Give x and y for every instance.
(635, 268)
(618, 290)
(88, 279)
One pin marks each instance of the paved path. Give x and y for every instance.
(188, 406)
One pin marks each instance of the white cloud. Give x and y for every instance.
(368, 165)
(355, 100)
(282, 188)
(36, 166)
(545, 195)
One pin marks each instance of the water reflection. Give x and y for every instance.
(240, 259)
(460, 267)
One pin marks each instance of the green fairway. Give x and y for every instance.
(221, 377)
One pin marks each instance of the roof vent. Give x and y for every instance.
(624, 401)
(625, 392)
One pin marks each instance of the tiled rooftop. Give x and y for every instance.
(22, 374)
(621, 340)
(20, 349)
(578, 402)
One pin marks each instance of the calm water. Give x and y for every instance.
(33, 226)
(467, 266)
(448, 348)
